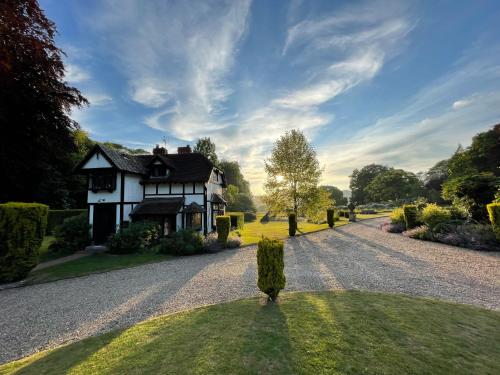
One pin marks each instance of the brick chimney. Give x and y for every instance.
(159, 150)
(184, 150)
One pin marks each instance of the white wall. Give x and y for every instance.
(133, 188)
(151, 189)
(104, 196)
(97, 161)
(176, 188)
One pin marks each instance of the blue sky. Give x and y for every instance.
(391, 82)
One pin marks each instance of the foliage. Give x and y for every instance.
(410, 215)
(293, 174)
(270, 264)
(232, 172)
(237, 219)
(494, 216)
(22, 227)
(72, 235)
(398, 215)
(206, 147)
(292, 224)
(336, 195)
(432, 215)
(233, 242)
(393, 227)
(393, 184)
(223, 226)
(56, 217)
(472, 236)
(35, 102)
(422, 232)
(330, 213)
(242, 202)
(137, 237)
(472, 193)
(434, 179)
(182, 242)
(265, 218)
(317, 205)
(249, 216)
(360, 179)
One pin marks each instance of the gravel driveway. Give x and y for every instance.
(356, 256)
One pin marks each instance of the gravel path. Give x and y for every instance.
(356, 256)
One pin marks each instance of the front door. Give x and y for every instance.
(169, 225)
(104, 222)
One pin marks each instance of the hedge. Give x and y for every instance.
(494, 215)
(56, 217)
(292, 224)
(330, 213)
(433, 215)
(250, 216)
(410, 215)
(72, 235)
(223, 226)
(237, 219)
(270, 265)
(22, 227)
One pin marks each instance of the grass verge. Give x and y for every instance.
(305, 333)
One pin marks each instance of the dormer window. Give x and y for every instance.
(159, 170)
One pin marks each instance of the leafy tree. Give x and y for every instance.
(360, 179)
(317, 206)
(472, 193)
(394, 184)
(119, 147)
(232, 171)
(35, 102)
(433, 180)
(336, 195)
(206, 147)
(293, 174)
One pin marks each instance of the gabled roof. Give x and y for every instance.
(217, 198)
(120, 160)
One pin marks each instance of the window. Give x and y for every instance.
(159, 171)
(193, 221)
(102, 181)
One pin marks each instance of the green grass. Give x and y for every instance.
(305, 333)
(92, 264)
(44, 254)
(253, 231)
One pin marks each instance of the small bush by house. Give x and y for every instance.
(182, 242)
(494, 216)
(292, 224)
(410, 215)
(22, 227)
(223, 227)
(270, 264)
(57, 217)
(72, 235)
(237, 219)
(137, 237)
(330, 217)
(432, 215)
(422, 232)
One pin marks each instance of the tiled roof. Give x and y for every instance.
(123, 161)
(217, 198)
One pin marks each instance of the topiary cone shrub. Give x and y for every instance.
(223, 226)
(330, 217)
(271, 265)
(410, 215)
(22, 227)
(494, 215)
(292, 224)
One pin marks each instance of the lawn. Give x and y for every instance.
(305, 333)
(253, 231)
(92, 264)
(44, 254)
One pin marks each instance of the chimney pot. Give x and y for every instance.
(159, 150)
(184, 150)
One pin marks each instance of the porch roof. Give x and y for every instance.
(159, 206)
(217, 198)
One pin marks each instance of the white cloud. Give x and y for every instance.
(75, 74)
(461, 104)
(97, 99)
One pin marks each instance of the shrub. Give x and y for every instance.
(72, 235)
(57, 217)
(233, 242)
(292, 224)
(237, 219)
(494, 216)
(472, 236)
(270, 264)
(249, 216)
(223, 226)
(433, 215)
(182, 242)
(410, 215)
(211, 243)
(265, 218)
(22, 227)
(397, 216)
(392, 227)
(137, 237)
(422, 232)
(330, 214)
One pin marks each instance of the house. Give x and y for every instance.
(182, 190)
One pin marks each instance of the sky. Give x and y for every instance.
(392, 82)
